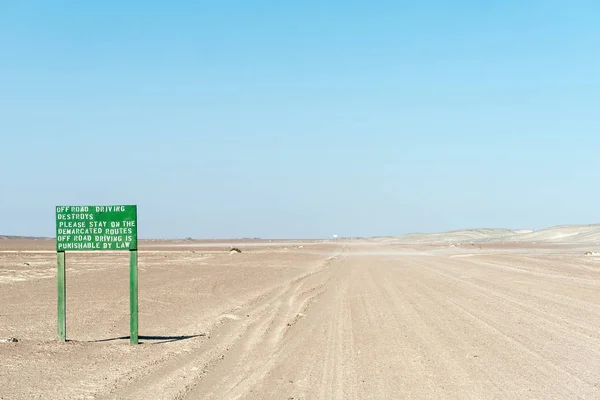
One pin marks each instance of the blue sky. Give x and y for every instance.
(301, 119)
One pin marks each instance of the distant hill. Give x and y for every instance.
(567, 234)
(465, 235)
(562, 234)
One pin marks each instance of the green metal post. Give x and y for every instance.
(62, 300)
(133, 296)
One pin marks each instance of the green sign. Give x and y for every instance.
(96, 228)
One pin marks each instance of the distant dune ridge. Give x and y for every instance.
(569, 234)
(559, 234)
(563, 234)
(465, 235)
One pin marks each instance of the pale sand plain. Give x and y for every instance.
(362, 319)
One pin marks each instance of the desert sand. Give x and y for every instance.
(468, 315)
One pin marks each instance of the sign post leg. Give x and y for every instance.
(133, 296)
(62, 300)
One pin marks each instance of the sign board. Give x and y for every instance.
(96, 228)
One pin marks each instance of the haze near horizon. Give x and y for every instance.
(301, 120)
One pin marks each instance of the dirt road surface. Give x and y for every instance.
(304, 320)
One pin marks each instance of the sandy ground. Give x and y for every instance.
(350, 320)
